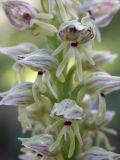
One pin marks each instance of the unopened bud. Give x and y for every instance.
(96, 153)
(39, 60)
(20, 95)
(14, 51)
(102, 82)
(101, 11)
(39, 144)
(19, 13)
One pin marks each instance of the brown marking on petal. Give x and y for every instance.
(91, 15)
(90, 12)
(19, 57)
(102, 94)
(39, 155)
(72, 30)
(27, 16)
(40, 73)
(67, 123)
(74, 44)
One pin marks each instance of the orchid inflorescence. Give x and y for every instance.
(65, 107)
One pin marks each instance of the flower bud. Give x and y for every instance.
(102, 82)
(96, 153)
(101, 11)
(19, 13)
(19, 95)
(39, 60)
(74, 31)
(40, 144)
(68, 109)
(14, 51)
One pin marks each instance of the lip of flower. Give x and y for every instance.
(19, 13)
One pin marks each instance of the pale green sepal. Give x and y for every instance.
(57, 142)
(78, 63)
(59, 49)
(77, 132)
(45, 26)
(64, 62)
(44, 16)
(62, 10)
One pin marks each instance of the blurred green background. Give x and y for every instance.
(9, 127)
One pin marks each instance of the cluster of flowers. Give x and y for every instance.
(65, 107)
